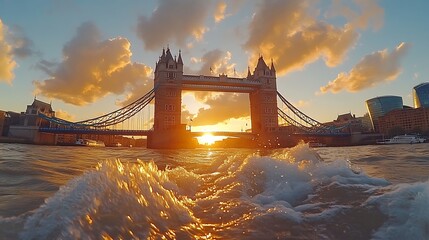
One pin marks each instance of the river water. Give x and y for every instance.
(364, 192)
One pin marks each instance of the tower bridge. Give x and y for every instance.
(169, 132)
(170, 81)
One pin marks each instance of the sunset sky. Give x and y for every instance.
(92, 57)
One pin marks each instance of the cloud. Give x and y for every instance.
(290, 33)
(173, 20)
(366, 13)
(301, 103)
(64, 115)
(92, 68)
(373, 69)
(219, 14)
(222, 108)
(22, 46)
(222, 105)
(215, 62)
(7, 63)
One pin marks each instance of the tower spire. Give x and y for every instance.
(179, 60)
(272, 66)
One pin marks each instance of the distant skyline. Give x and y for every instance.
(92, 57)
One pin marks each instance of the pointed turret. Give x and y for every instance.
(249, 75)
(162, 58)
(261, 68)
(168, 55)
(261, 64)
(273, 70)
(179, 60)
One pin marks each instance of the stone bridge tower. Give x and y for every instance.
(168, 95)
(263, 100)
(169, 81)
(168, 130)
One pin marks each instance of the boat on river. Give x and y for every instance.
(89, 143)
(403, 139)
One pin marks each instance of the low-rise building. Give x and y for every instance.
(405, 121)
(349, 123)
(2, 123)
(27, 128)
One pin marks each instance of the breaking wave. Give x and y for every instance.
(290, 193)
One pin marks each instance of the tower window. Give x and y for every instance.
(171, 75)
(169, 120)
(169, 107)
(171, 93)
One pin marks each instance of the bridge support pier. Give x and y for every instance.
(266, 140)
(173, 138)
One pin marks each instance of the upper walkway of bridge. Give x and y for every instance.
(222, 83)
(133, 132)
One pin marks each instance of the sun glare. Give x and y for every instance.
(207, 139)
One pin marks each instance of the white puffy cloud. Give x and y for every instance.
(373, 69)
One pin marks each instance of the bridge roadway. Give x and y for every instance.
(135, 132)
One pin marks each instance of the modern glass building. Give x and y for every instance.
(379, 106)
(421, 95)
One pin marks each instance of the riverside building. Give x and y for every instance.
(380, 106)
(421, 95)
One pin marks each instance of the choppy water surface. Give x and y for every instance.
(365, 192)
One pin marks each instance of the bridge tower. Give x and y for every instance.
(263, 101)
(168, 80)
(168, 129)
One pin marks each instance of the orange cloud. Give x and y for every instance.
(289, 32)
(219, 14)
(64, 115)
(173, 21)
(7, 63)
(372, 70)
(92, 68)
(222, 108)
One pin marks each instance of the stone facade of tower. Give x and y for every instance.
(168, 130)
(168, 94)
(263, 101)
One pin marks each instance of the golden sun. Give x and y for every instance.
(207, 139)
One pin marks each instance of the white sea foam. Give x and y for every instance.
(290, 193)
(407, 210)
(118, 200)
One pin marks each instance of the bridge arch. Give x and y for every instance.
(170, 80)
(169, 132)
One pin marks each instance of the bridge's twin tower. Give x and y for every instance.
(169, 82)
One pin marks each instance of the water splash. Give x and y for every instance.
(407, 209)
(288, 193)
(117, 200)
